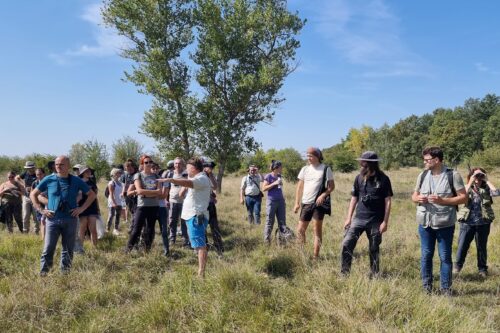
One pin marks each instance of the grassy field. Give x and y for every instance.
(252, 288)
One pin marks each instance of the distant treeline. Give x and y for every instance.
(468, 134)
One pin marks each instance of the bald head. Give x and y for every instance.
(62, 166)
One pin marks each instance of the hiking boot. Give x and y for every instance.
(483, 274)
(456, 269)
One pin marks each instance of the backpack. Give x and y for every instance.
(285, 237)
(449, 174)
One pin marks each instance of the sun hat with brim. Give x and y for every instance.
(78, 166)
(82, 169)
(29, 165)
(369, 156)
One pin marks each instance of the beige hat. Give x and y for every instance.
(29, 165)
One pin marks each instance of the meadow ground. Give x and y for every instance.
(252, 288)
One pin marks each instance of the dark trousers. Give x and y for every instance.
(214, 227)
(349, 243)
(145, 217)
(114, 212)
(13, 211)
(480, 234)
(174, 217)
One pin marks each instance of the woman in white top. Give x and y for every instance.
(114, 200)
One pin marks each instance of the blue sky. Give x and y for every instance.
(361, 62)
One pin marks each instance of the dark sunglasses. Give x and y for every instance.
(148, 162)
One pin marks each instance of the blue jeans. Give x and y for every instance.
(253, 203)
(428, 238)
(66, 228)
(274, 208)
(162, 219)
(467, 233)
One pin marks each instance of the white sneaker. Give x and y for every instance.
(116, 232)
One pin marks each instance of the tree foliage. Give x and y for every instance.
(93, 154)
(158, 32)
(244, 50)
(125, 148)
(462, 132)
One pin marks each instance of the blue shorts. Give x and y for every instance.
(197, 233)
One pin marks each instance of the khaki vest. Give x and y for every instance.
(486, 209)
(434, 215)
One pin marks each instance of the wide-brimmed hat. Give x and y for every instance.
(77, 166)
(29, 165)
(82, 169)
(369, 156)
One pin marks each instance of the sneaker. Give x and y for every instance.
(483, 274)
(116, 232)
(456, 269)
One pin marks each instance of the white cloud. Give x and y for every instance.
(367, 33)
(481, 67)
(107, 42)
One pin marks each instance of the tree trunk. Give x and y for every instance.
(220, 174)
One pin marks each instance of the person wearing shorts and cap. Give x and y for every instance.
(310, 195)
(371, 198)
(195, 208)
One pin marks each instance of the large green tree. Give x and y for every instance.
(245, 50)
(158, 31)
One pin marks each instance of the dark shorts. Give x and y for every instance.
(309, 212)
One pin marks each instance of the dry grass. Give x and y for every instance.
(253, 288)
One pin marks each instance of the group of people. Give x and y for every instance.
(440, 195)
(66, 205)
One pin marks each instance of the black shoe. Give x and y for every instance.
(428, 290)
(483, 274)
(166, 253)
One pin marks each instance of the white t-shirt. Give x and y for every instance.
(313, 177)
(197, 198)
(116, 194)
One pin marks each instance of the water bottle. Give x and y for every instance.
(280, 182)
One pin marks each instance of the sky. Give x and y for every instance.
(361, 62)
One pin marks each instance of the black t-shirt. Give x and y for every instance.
(371, 196)
(28, 180)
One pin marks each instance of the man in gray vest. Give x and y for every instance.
(438, 192)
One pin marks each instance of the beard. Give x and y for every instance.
(364, 171)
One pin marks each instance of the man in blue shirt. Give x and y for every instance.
(61, 211)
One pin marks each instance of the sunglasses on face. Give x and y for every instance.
(148, 162)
